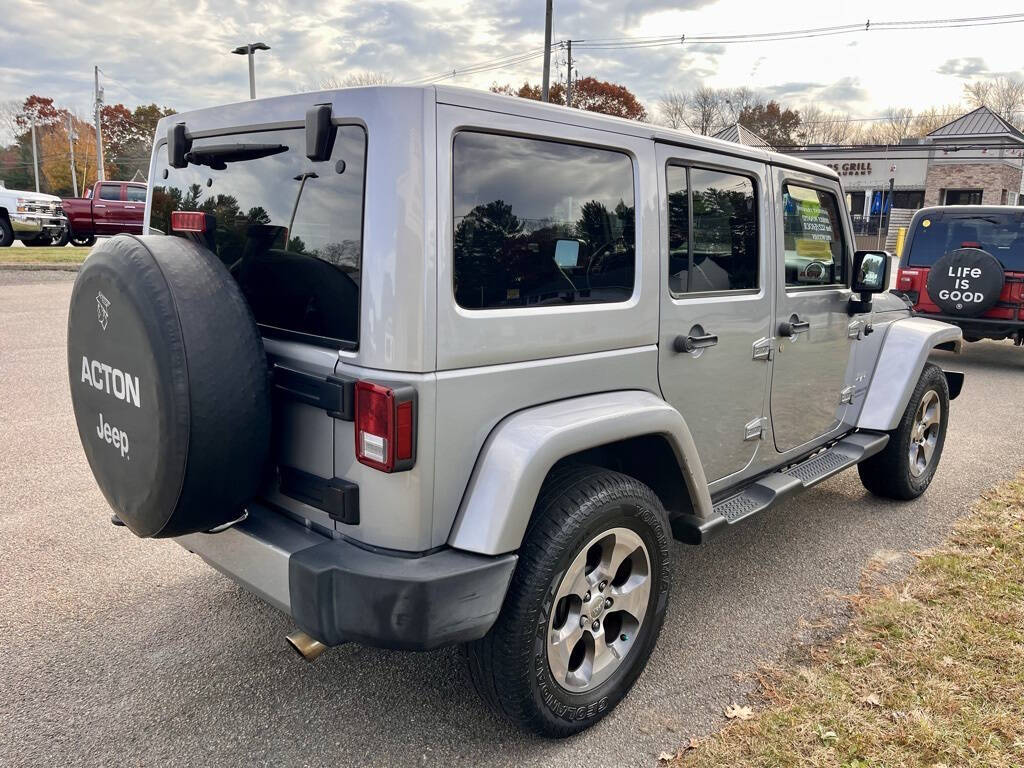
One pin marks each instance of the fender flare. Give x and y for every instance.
(524, 446)
(905, 350)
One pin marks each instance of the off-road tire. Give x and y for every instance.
(6, 231)
(887, 474)
(509, 666)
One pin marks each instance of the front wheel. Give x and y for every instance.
(6, 232)
(64, 239)
(905, 469)
(39, 241)
(83, 241)
(585, 605)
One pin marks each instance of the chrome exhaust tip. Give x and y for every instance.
(306, 646)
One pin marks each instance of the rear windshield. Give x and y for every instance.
(289, 230)
(1001, 234)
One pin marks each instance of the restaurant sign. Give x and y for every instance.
(851, 169)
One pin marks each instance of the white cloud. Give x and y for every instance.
(178, 54)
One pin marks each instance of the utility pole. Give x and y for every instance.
(35, 155)
(568, 75)
(71, 148)
(100, 175)
(544, 89)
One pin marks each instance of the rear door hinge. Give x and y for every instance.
(754, 430)
(763, 348)
(846, 396)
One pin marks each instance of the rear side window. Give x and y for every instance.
(289, 230)
(1001, 234)
(110, 191)
(541, 223)
(719, 251)
(812, 237)
(136, 194)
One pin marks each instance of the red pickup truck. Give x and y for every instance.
(110, 208)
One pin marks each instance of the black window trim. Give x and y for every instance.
(820, 186)
(552, 140)
(272, 331)
(747, 174)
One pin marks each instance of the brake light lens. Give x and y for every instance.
(188, 221)
(970, 244)
(385, 426)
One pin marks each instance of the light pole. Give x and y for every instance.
(247, 50)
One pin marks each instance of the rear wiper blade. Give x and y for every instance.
(218, 155)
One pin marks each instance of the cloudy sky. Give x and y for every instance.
(177, 53)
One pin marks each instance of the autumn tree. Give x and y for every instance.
(820, 127)
(588, 93)
(771, 122)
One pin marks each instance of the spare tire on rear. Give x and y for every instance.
(169, 384)
(966, 282)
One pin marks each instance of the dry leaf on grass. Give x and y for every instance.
(736, 712)
(872, 700)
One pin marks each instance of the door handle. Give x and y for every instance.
(794, 327)
(99, 205)
(693, 343)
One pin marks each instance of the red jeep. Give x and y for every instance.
(964, 264)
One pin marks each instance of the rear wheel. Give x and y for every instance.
(585, 605)
(905, 469)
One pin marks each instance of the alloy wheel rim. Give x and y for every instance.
(599, 608)
(924, 435)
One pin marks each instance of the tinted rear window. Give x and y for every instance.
(1001, 234)
(288, 229)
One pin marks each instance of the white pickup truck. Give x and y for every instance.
(32, 217)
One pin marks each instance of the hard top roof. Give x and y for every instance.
(379, 98)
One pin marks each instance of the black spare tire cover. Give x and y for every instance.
(966, 282)
(169, 384)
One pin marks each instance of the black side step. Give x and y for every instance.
(769, 490)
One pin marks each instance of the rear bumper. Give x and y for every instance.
(338, 592)
(978, 326)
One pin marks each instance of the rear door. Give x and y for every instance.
(108, 208)
(134, 207)
(716, 301)
(809, 393)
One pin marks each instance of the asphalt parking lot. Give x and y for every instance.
(119, 651)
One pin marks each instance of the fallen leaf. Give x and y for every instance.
(872, 700)
(736, 712)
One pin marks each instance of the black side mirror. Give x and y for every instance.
(319, 133)
(870, 276)
(179, 143)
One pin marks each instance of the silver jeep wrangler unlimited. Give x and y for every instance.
(428, 366)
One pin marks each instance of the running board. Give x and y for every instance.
(769, 490)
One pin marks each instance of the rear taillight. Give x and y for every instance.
(188, 221)
(385, 426)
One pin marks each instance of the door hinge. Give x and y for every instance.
(754, 430)
(846, 396)
(854, 329)
(763, 348)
